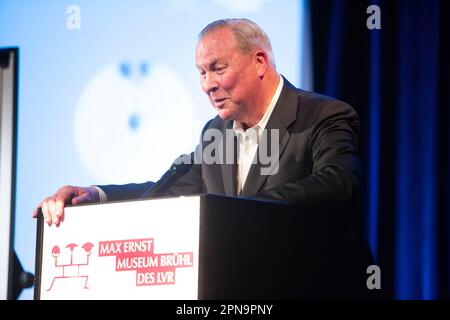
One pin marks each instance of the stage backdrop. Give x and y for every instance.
(105, 89)
(397, 79)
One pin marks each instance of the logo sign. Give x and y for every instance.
(138, 255)
(130, 250)
(73, 269)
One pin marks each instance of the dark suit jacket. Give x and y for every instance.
(318, 157)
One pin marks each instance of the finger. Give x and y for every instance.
(59, 208)
(61, 220)
(59, 211)
(52, 210)
(45, 213)
(81, 199)
(61, 199)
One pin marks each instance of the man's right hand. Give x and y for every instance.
(53, 207)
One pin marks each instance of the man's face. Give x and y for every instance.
(227, 76)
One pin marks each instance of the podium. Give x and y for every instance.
(201, 247)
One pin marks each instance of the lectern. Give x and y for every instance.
(201, 247)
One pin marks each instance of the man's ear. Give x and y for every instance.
(262, 61)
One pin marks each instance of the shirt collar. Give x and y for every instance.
(238, 127)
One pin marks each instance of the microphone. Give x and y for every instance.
(176, 171)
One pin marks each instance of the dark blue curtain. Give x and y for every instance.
(396, 78)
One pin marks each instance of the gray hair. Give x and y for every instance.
(247, 33)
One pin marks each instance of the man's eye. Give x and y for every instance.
(220, 69)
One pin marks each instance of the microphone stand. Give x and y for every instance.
(175, 172)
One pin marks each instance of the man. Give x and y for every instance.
(317, 161)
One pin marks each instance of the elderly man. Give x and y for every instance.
(316, 147)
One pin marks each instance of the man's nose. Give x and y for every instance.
(210, 84)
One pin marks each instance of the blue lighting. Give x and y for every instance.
(134, 121)
(145, 68)
(125, 69)
(374, 145)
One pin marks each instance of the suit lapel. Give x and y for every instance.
(283, 115)
(229, 171)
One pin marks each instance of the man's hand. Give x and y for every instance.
(53, 207)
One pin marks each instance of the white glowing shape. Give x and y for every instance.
(240, 6)
(114, 152)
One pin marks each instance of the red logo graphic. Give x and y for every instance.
(71, 269)
(138, 254)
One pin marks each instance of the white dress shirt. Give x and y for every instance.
(101, 194)
(248, 140)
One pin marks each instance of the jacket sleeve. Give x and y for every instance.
(125, 191)
(189, 183)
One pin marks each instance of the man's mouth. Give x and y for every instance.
(219, 102)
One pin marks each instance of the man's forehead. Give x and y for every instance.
(215, 45)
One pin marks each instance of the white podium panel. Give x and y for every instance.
(145, 249)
